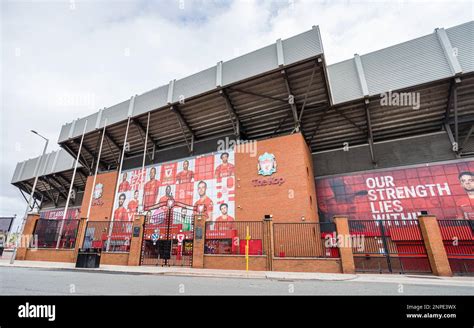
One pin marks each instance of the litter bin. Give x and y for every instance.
(1, 250)
(88, 258)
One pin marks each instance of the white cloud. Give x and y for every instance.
(67, 55)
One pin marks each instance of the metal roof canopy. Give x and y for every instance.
(249, 97)
(55, 175)
(257, 106)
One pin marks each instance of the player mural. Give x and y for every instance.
(206, 184)
(444, 190)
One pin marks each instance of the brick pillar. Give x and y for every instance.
(24, 239)
(137, 240)
(81, 232)
(198, 243)
(347, 257)
(434, 245)
(268, 242)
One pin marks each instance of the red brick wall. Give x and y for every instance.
(114, 258)
(235, 262)
(52, 255)
(288, 202)
(101, 208)
(307, 265)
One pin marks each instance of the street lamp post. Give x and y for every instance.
(36, 174)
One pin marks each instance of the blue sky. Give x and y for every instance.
(61, 60)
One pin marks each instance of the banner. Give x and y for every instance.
(443, 190)
(204, 183)
(58, 213)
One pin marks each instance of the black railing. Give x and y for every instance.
(49, 232)
(303, 239)
(108, 236)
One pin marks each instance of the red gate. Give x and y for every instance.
(389, 246)
(458, 239)
(168, 235)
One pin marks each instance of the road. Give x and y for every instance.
(35, 281)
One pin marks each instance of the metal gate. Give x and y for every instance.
(458, 240)
(168, 235)
(389, 246)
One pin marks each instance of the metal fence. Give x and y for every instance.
(305, 240)
(48, 233)
(110, 236)
(458, 239)
(229, 238)
(389, 246)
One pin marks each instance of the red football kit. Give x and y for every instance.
(224, 170)
(132, 206)
(227, 219)
(124, 186)
(164, 200)
(203, 204)
(121, 214)
(184, 176)
(150, 193)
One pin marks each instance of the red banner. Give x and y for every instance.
(443, 190)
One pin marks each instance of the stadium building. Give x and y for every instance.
(273, 152)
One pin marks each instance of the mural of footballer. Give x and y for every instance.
(150, 192)
(168, 195)
(204, 203)
(124, 185)
(121, 213)
(186, 175)
(466, 179)
(225, 169)
(224, 217)
(133, 204)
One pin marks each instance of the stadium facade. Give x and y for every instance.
(266, 151)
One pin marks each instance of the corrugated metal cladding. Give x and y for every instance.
(302, 46)
(251, 64)
(409, 66)
(195, 84)
(410, 63)
(53, 162)
(297, 48)
(150, 100)
(113, 115)
(403, 65)
(344, 71)
(462, 39)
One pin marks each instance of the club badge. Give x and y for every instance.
(267, 164)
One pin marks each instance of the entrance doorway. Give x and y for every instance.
(168, 235)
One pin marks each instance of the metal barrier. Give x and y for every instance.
(458, 239)
(389, 246)
(305, 240)
(47, 232)
(229, 238)
(116, 235)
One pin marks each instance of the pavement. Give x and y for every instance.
(271, 275)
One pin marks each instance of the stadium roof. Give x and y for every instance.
(249, 97)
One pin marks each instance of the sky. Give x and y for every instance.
(61, 60)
